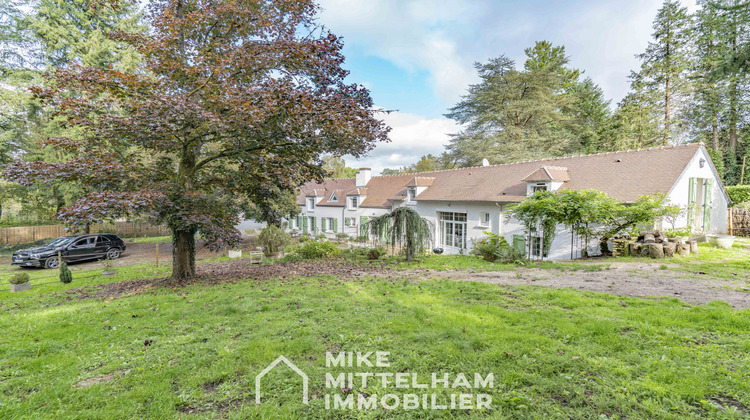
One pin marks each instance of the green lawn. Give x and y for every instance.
(554, 353)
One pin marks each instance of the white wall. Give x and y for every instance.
(339, 213)
(679, 194)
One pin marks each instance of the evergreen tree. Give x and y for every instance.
(524, 114)
(635, 123)
(664, 64)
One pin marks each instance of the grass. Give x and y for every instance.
(195, 351)
(471, 262)
(733, 263)
(153, 239)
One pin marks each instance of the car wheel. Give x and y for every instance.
(52, 263)
(113, 254)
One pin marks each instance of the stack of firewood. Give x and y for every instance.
(654, 244)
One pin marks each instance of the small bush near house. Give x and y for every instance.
(20, 278)
(375, 253)
(315, 249)
(320, 237)
(65, 275)
(341, 236)
(678, 233)
(305, 238)
(491, 247)
(273, 240)
(739, 194)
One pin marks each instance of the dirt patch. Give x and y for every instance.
(230, 272)
(95, 380)
(622, 279)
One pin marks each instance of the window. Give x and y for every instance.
(353, 202)
(85, 243)
(411, 193)
(538, 187)
(536, 247)
(484, 219)
(453, 227)
(330, 224)
(311, 203)
(334, 197)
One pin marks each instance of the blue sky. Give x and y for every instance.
(416, 56)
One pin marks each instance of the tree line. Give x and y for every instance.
(692, 85)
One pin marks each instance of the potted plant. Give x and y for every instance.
(109, 268)
(20, 282)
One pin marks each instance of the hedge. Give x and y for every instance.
(739, 194)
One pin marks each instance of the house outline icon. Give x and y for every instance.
(273, 365)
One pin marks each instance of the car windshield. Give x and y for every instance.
(61, 241)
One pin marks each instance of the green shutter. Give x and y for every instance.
(322, 224)
(385, 237)
(347, 221)
(304, 224)
(519, 243)
(707, 198)
(335, 225)
(692, 189)
(314, 226)
(363, 231)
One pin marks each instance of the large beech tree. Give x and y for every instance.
(228, 93)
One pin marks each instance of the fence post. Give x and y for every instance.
(157, 255)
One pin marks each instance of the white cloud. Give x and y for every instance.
(414, 35)
(412, 136)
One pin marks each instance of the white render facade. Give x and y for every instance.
(687, 177)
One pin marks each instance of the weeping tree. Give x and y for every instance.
(539, 214)
(405, 228)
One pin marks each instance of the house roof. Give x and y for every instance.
(548, 173)
(622, 175)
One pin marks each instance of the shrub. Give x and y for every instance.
(490, 247)
(342, 236)
(320, 236)
(273, 240)
(20, 278)
(65, 275)
(305, 238)
(739, 194)
(375, 253)
(678, 233)
(315, 249)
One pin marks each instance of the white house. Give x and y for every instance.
(463, 203)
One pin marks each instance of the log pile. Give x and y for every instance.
(654, 244)
(740, 222)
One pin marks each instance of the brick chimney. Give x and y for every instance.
(363, 177)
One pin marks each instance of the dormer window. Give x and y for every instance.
(539, 186)
(310, 203)
(334, 197)
(411, 193)
(354, 202)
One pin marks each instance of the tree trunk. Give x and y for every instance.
(656, 250)
(666, 109)
(183, 254)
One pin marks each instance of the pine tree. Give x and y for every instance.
(664, 64)
(540, 111)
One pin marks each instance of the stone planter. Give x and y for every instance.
(235, 253)
(720, 241)
(20, 287)
(109, 273)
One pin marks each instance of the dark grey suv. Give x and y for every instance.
(72, 249)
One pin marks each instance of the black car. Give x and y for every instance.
(71, 248)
